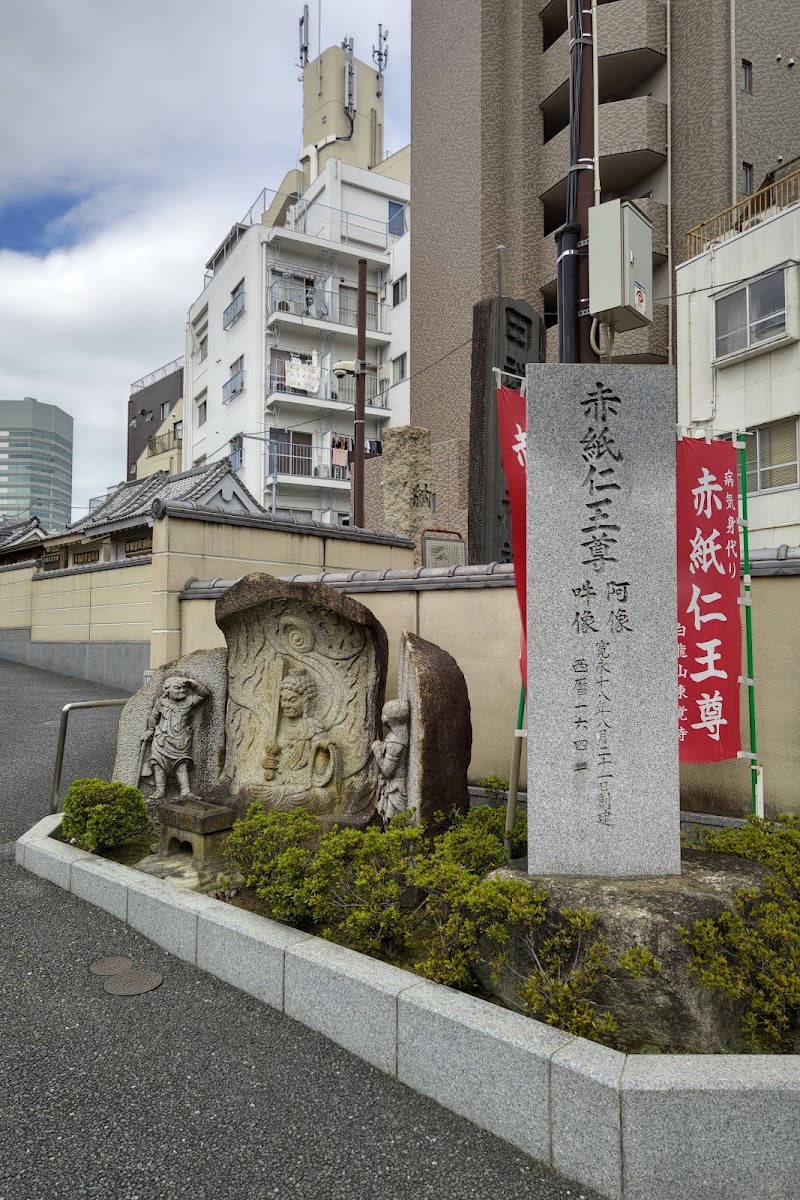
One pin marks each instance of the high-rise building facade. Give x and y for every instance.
(697, 104)
(35, 462)
(279, 308)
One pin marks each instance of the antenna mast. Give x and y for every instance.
(304, 37)
(380, 55)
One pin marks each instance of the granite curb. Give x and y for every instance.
(631, 1127)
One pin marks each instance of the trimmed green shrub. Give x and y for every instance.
(272, 852)
(99, 815)
(752, 953)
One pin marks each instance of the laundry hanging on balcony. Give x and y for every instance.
(303, 376)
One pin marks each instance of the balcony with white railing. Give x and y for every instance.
(234, 311)
(304, 384)
(307, 465)
(233, 386)
(338, 308)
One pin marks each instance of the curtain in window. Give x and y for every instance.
(778, 449)
(767, 307)
(731, 322)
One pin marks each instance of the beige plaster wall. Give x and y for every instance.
(92, 606)
(15, 598)
(185, 550)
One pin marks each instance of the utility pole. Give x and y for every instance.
(574, 330)
(361, 388)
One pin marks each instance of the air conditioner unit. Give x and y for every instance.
(323, 471)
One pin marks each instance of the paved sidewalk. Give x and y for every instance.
(193, 1090)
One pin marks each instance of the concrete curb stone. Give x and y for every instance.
(633, 1127)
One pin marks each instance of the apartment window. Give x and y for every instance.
(204, 348)
(236, 454)
(177, 429)
(746, 179)
(399, 370)
(236, 307)
(771, 453)
(746, 76)
(400, 290)
(201, 406)
(235, 383)
(752, 314)
(397, 219)
(164, 410)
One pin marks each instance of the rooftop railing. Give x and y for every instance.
(168, 369)
(780, 194)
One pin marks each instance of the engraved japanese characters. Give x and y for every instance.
(602, 769)
(306, 676)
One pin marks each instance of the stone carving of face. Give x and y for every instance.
(292, 702)
(175, 689)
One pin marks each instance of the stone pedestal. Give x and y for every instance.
(603, 794)
(204, 826)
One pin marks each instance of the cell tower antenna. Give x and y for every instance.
(380, 55)
(304, 37)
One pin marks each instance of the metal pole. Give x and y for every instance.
(62, 737)
(756, 782)
(361, 387)
(513, 782)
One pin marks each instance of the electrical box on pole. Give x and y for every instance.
(620, 265)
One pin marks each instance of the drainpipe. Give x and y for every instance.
(670, 258)
(734, 129)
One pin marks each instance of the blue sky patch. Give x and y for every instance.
(33, 225)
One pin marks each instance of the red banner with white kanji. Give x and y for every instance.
(709, 624)
(512, 427)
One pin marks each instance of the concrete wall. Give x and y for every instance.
(184, 550)
(480, 628)
(92, 605)
(15, 597)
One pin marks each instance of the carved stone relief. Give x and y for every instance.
(306, 674)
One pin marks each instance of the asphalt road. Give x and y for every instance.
(193, 1090)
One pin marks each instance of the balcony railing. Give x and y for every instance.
(328, 386)
(233, 311)
(780, 194)
(307, 462)
(338, 307)
(162, 443)
(233, 386)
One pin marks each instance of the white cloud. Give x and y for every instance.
(167, 117)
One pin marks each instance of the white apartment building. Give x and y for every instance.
(279, 309)
(738, 330)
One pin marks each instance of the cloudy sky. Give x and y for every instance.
(132, 136)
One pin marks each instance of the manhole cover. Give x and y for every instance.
(115, 964)
(133, 983)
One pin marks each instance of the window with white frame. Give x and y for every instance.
(771, 453)
(399, 368)
(164, 410)
(201, 408)
(399, 290)
(751, 315)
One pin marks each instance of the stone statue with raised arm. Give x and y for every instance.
(169, 732)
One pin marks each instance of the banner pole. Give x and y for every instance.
(513, 781)
(756, 778)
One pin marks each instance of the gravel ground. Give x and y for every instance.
(192, 1090)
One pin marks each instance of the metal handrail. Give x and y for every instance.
(62, 737)
(772, 198)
